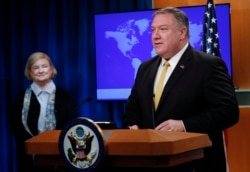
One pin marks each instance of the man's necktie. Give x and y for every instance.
(160, 84)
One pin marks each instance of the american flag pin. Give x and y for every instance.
(182, 66)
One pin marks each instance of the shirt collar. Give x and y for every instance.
(49, 89)
(174, 60)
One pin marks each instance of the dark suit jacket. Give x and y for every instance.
(199, 92)
(64, 112)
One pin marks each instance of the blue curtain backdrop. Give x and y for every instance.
(64, 29)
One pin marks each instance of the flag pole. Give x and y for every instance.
(210, 45)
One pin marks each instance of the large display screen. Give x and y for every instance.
(123, 41)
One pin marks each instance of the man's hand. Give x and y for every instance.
(171, 125)
(133, 127)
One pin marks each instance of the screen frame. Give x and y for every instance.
(119, 94)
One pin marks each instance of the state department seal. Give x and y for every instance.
(81, 144)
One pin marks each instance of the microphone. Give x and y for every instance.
(153, 111)
(88, 99)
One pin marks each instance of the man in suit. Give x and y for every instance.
(198, 94)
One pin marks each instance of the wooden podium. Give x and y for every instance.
(129, 148)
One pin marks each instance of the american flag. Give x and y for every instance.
(210, 42)
(210, 45)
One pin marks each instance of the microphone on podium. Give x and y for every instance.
(88, 99)
(101, 124)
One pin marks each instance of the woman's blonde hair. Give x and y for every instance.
(33, 58)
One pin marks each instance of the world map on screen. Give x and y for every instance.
(123, 42)
(128, 34)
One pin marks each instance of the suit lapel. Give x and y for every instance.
(179, 70)
(152, 73)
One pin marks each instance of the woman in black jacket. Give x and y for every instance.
(40, 107)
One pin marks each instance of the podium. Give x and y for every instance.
(129, 148)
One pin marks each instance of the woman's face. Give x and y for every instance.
(41, 71)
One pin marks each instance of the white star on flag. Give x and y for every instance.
(210, 43)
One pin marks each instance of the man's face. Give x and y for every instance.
(166, 35)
